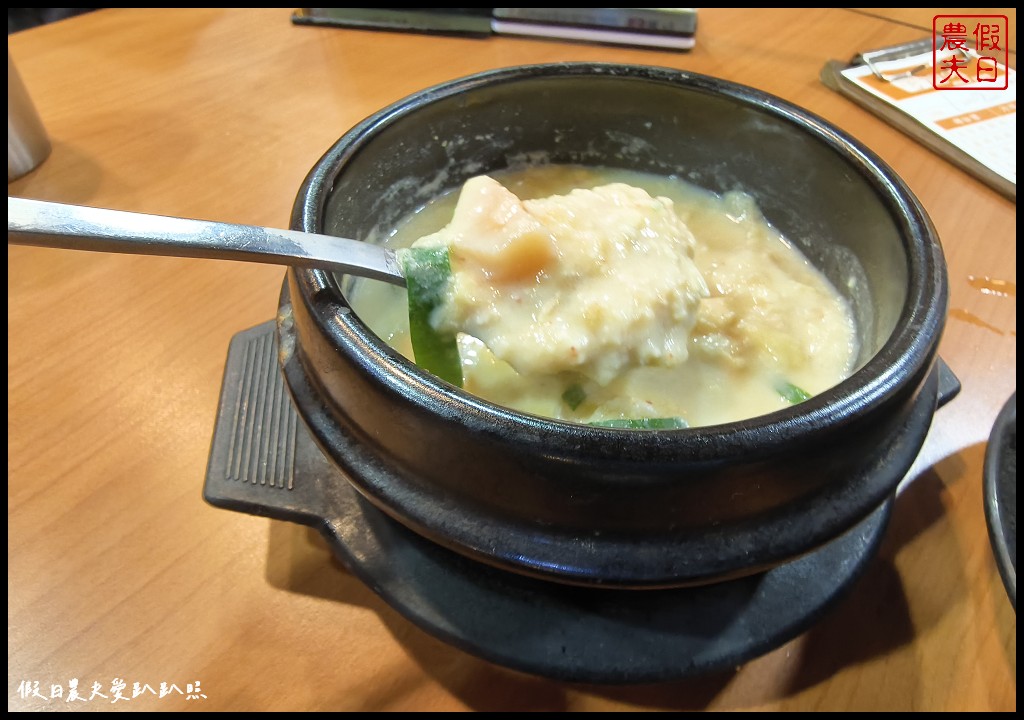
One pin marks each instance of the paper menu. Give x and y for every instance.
(980, 122)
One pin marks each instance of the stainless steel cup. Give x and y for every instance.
(27, 142)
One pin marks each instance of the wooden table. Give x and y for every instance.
(119, 572)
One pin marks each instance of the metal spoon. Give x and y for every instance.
(75, 227)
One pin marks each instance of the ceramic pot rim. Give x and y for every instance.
(906, 355)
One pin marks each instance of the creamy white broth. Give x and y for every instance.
(590, 283)
(765, 320)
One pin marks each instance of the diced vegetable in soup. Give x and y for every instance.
(595, 282)
(621, 299)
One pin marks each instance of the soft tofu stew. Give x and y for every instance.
(619, 298)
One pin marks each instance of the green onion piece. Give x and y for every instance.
(574, 395)
(671, 423)
(427, 275)
(792, 393)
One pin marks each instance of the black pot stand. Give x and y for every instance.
(264, 462)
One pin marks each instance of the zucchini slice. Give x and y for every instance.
(428, 273)
(670, 423)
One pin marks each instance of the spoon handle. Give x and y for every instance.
(75, 227)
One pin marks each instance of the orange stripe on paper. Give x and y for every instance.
(1008, 108)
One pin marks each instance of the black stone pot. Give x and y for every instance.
(607, 507)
